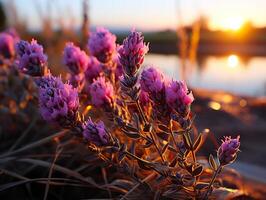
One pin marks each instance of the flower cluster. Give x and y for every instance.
(7, 45)
(178, 97)
(132, 52)
(94, 69)
(75, 59)
(102, 92)
(228, 150)
(58, 102)
(152, 81)
(151, 113)
(95, 132)
(32, 60)
(102, 45)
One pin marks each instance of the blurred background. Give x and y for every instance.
(218, 47)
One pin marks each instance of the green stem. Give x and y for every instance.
(211, 182)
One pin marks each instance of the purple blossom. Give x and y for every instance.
(132, 52)
(58, 102)
(77, 80)
(102, 92)
(94, 69)
(144, 98)
(152, 80)
(7, 45)
(102, 44)
(95, 132)
(75, 59)
(118, 67)
(228, 150)
(32, 60)
(178, 97)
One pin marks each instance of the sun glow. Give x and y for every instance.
(235, 23)
(232, 61)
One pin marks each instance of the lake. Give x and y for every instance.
(231, 73)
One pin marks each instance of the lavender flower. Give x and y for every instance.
(227, 152)
(32, 60)
(58, 102)
(77, 80)
(102, 44)
(178, 97)
(94, 69)
(7, 45)
(95, 132)
(152, 80)
(102, 92)
(144, 98)
(132, 52)
(75, 59)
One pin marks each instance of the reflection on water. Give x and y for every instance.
(245, 76)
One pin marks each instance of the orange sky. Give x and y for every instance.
(148, 14)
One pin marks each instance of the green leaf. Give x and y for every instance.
(163, 128)
(212, 162)
(171, 148)
(165, 147)
(134, 135)
(163, 135)
(173, 163)
(197, 171)
(197, 142)
(147, 144)
(186, 142)
(201, 185)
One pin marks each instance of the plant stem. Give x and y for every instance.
(211, 182)
(150, 132)
(35, 144)
(173, 137)
(191, 147)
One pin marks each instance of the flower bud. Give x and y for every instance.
(75, 59)
(227, 152)
(58, 102)
(94, 69)
(102, 92)
(95, 133)
(102, 45)
(152, 81)
(32, 60)
(7, 45)
(178, 97)
(132, 52)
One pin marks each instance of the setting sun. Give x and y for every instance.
(232, 61)
(235, 23)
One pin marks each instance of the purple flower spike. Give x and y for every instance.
(75, 59)
(144, 98)
(227, 152)
(93, 70)
(102, 44)
(58, 102)
(152, 80)
(32, 60)
(132, 52)
(102, 92)
(178, 97)
(7, 45)
(95, 133)
(77, 80)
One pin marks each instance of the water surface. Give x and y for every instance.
(232, 73)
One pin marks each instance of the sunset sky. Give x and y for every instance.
(148, 14)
